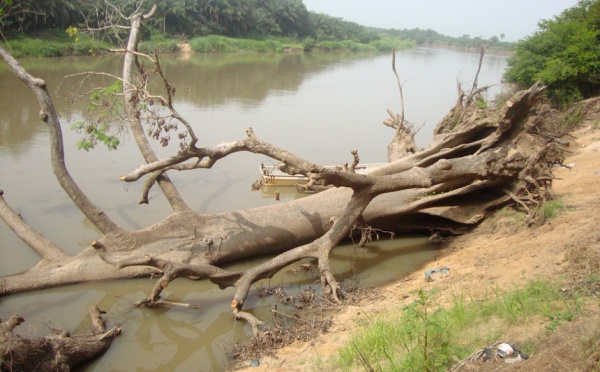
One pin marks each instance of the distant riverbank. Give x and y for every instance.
(57, 43)
(489, 50)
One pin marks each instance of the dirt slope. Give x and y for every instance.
(500, 252)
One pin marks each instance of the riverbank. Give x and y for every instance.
(489, 49)
(500, 255)
(60, 43)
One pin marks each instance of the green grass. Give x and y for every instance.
(386, 45)
(222, 44)
(60, 43)
(26, 47)
(425, 336)
(552, 208)
(260, 46)
(158, 44)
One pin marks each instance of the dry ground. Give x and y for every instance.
(500, 253)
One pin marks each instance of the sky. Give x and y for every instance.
(515, 19)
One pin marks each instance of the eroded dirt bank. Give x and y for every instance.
(500, 253)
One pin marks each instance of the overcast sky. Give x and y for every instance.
(513, 18)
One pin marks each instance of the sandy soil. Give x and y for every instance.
(185, 51)
(500, 252)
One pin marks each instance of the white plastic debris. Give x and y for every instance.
(505, 350)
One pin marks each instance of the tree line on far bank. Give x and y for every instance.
(562, 54)
(186, 19)
(190, 18)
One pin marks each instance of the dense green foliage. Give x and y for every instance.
(230, 17)
(210, 25)
(430, 37)
(265, 25)
(31, 15)
(21, 47)
(564, 54)
(325, 27)
(189, 18)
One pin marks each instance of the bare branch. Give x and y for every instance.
(207, 157)
(251, 319)
(135, 52)
(170, 93)
(49, 116)
(474, 86)
(401, 119)
(44, 247)
(130, 100)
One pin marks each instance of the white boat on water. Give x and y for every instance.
(273, 175)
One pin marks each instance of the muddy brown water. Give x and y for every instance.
(318, 106)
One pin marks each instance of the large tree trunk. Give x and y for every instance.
(227, 237)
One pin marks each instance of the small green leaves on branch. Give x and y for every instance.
(99, 124)
(93, 135)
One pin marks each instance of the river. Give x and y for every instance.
(318, 106)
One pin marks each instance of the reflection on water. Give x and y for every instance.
(318, 106)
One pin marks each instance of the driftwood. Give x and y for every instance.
(57, 352)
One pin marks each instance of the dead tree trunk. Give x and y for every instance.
(403, 143)
(57, 352)
(137, 129)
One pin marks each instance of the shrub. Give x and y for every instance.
(308, 44)
(331, 45)
(386, 45)
(563, 54)
(25, 47)
(212, 44)
(158, 44)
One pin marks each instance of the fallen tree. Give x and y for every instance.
(478, 160)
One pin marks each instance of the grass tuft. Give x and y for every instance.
(552, 208)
